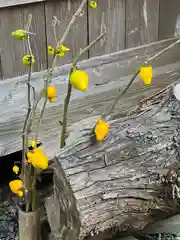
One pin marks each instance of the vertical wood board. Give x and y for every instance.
(109, 16)
(142, 17)
(12, 50)
(10, 3)
(1, 73)
(77, 38)
(169, 19)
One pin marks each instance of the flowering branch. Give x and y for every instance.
(25, 133)
(50, 70)
(26, 169)
(135, 75)
(68, 96)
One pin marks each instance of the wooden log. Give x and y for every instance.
(123, 183)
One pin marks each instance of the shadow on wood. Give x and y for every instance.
(123, 183)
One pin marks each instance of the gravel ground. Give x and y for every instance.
(9, 222)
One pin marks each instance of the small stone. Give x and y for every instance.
(176, 91)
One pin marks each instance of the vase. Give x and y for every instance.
(29, 225)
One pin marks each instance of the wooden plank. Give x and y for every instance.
(12, 51)
(169, 19)
(9, 3)
(1, 70)
(77, 38)
(106, 73)
(109, 16)
(141, 22)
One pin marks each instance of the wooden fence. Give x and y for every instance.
(129, 23)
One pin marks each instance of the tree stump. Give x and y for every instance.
(127, 181)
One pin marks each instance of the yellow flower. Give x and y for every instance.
(16, 187)
(15, 169)
(146, 74)
(19, 34)
(51, 92)
(37, 158)
(33, 143)
(61, 51)
(101, 130)
(20, 193)
(79, 80)
(27, 58)
(51, 50)
(92, 4)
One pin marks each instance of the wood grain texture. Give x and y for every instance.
(118, 183)
(10, 3)
(142, 18)
(77, 38)
(12, 50)
(169, 19)
(106, 75)
(109, 16)
(1, 70)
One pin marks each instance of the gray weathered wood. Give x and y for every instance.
(118, 184)
(169, 19)
(9, 3)
(1, 70)
(109, 16)
(169, 225)
(12, 50)
(77, 38)
(111, 72)
(141, 22)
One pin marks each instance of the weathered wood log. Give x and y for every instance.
(127, 181)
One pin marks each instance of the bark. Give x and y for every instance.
(127, 181)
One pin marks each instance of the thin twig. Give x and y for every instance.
(135, 75)
(83, 51)
(66, 104)
(55, 21)
(74, 18)
(164, 50)
(68, 96)
(25, 168)
(50, 70)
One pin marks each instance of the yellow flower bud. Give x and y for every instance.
(92, 4)
(79, 80)
(61, 51)
(16, 186)
(51, 93)
(52, 99)
(51, 50)
(64, 48)
(19, 34)
(33, 143)
(15, 169)
(146, 74)
(20, 193)
(27, 59)
(38, 159)
(101, 130)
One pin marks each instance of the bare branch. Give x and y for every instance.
(68, 96)
(135, 75)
